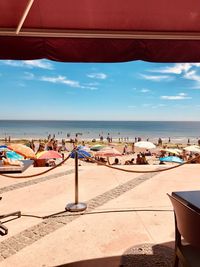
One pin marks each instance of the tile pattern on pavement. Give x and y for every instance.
(15, 243)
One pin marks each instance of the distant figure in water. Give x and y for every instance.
(169, 141)
(188, 141)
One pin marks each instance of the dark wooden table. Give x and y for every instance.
(190, 198)
(15, 169)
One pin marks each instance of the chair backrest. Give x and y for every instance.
(187, 222)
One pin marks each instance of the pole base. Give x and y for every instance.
(73, 207)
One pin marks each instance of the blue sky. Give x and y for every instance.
(42, 89)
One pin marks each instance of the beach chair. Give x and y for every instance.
(187, 234)
(3, 228)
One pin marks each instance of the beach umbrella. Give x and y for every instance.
(85, 148)
(171, 159)
(108, 152)
(81, 154)
(171, 151)
(193, 148)
(144, 145)
(50, 154)
(13, 155)
(4, 148)
(23, 150)
(76, 205)
(97, 147)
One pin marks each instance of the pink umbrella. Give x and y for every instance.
(50, 154)
(108, 152)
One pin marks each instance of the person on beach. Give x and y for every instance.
(41, 147)
(55, 145)
(50, 144)
(159, 141)
(32, 145)
(129, 162)
(116, 162)
(125, 149)
(133, 147)
(184, 156)
(143, 159)
(3, 155)
(138, 159)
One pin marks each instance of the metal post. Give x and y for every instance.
(76, 177)
(76, 206)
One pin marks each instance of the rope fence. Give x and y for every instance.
(139, 171)
(91, 159)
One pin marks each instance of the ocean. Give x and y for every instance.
(177, 131)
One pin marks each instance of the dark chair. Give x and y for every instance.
(187, 234)
(3, 228)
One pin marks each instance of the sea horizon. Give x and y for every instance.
(177, 131)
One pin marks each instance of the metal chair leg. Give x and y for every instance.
(4, 228)
(16, 213)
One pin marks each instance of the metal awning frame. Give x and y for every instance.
(103, 34)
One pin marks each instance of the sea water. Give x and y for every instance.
(177, 131)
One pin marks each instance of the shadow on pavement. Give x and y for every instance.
(143, 255)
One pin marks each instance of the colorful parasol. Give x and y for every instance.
(50, 154)
(108, 152)
(23, 150)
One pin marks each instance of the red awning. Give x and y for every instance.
(100, 30)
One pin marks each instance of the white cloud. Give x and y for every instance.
(60, 79)
(178, 68)
(180, 96)
(38, 64)
(29, 64)
(144, 90)
(101, 76)
(29, 76)
(157, 78)
(191, 75)
(64, 80)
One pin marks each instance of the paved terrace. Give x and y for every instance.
(128, 215)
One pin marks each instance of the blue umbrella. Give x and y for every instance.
(3, 148)
(171, 159)
(80, 153)
(13, 155)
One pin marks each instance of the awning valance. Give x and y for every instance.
(100, 31)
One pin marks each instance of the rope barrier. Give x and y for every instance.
(100, 163)
(137, 171)
(37, 174)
